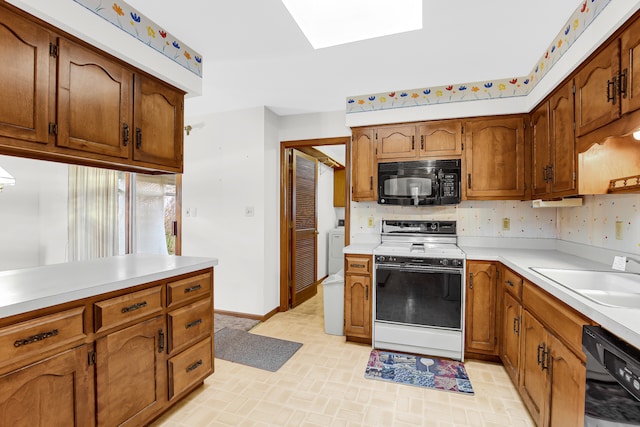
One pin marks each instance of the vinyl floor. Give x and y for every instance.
(323, 385)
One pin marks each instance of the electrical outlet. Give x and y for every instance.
(248, 211)
(370, 222)
(188, 212)
(618, 230)
(506, 224)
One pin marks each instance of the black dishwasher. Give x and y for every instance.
(612, 394)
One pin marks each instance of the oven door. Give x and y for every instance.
(419, 296)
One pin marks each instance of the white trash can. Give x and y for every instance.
(333, 289)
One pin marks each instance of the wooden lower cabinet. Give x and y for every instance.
(116, 359)
(131, 374)
(552, 381)
(53, 392)
(481, 308)
(512, 326)
(357, 297)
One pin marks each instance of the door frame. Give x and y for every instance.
(285, 215)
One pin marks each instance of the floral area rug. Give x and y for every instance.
(422, 371)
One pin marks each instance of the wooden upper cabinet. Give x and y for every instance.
(597, 100)
(158, 119)
(396, 142)
(24, 79)
(363, 165)
(495, 158)
(541, 151)
(440, 138)
(562, 142)
(630, 64)
(94, 102)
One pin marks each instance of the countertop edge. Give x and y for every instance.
(63, 286)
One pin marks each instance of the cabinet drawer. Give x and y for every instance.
(359, 264)
(123, 309)
(34, 337)
(189, 324)
(512, 283)
(562, 320)
(190, 367)
(188, 289)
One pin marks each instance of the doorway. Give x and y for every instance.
(290, 253)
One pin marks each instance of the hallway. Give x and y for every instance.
(323, 384)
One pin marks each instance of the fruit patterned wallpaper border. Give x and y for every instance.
(501, 88)
(148, 32)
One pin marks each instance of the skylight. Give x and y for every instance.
(333, 22)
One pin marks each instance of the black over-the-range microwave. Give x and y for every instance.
(419, 182)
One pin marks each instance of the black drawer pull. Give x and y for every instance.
(36, 338)
(194, 366)
(192, 289)
(509, 282)
(357, 265)
(192, 324)
(134, 307)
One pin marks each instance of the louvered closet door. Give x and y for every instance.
(304, 236)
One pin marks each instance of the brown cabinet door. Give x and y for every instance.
(495, 158)
(131, 374)
(630, 64)
(396, 142)
(563, 142)
(597, 100)
(480, 312)
(541, 158)
(24, 79)
(440, 138)
(363, 175)
(533, 378)
(56, 392)
(566, 386)
(357, 307)
(512, 322)
(158, 118)
(94, 102)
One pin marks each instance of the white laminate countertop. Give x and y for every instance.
(30, 289)
(623, 322)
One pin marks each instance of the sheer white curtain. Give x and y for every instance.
(149, 225)
(93, 213)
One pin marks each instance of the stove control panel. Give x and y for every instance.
(444, 262)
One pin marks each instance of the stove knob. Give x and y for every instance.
(444, 261)
(381, 258)
(434, 226)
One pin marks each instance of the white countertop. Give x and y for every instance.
(30, 289)
(623, 322)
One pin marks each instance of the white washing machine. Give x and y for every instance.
(336, 244)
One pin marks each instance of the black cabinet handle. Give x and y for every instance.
(160, 341)
(125, 134)
(540, 352)
(35, 338)
(192, 289)
(516, 325)
(413, 144)
(134, 307)
(470, 280)
(371, 183)
(192, 324)
(611, 91)
(622, 83)
(509, 282)
(357, 265)
(138, 138)
(194, 366)
(469, 181)
(422, 142)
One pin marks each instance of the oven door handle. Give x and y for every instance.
(418, 269)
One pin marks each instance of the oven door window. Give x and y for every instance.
(431, 299)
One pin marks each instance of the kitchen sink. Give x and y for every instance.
(611, 288)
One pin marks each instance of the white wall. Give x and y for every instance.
(33, 214)
(313, 126)
(230, 165)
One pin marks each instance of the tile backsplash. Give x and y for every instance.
(591, 224)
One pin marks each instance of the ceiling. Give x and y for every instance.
(255, 55)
